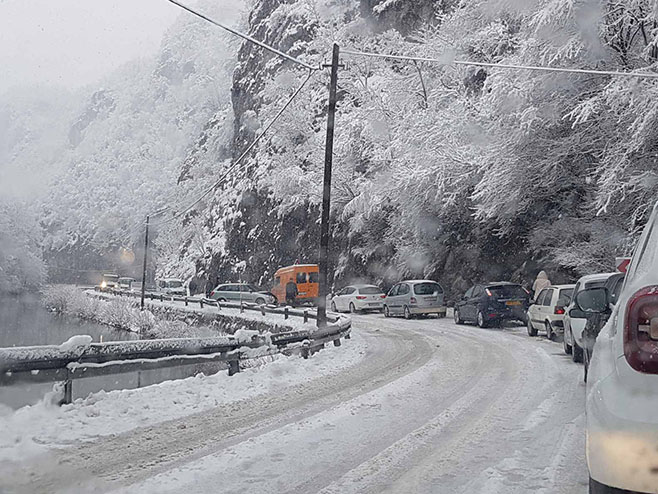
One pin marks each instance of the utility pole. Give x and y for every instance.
(146, 246)
(326, 193)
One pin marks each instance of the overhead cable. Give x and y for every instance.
(243, 36)
(237, 162)
(647, 75)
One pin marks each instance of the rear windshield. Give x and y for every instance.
(594, 284)
(174, 284)
(507, 291)
(566, 294)
(427, 288)
(369, 290)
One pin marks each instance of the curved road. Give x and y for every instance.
(433, 408)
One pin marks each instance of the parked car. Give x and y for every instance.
(622, 388)
(171, 286)
(547, 311)
(298, 283)
(125, 282)
(492, 303)
(596, 321)
(415, 297)
(109, 280)
(354, 298)
(236, 292)
(575, 319)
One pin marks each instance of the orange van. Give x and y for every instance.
(297, 283)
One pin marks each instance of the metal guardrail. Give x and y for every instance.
(286, 311)
(49, 363)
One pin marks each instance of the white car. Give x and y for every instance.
(622, 387)
(171, 286)
(354, 298)
(547, 312)
(575, 320)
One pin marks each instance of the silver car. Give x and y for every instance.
(415, 297)
(236, 292)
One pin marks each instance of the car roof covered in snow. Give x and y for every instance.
(420, 281)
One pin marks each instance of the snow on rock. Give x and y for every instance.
(76, 341)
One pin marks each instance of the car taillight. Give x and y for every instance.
(383, 296)
(360, 297)
(212, 293)
(558, 310)
(488, 291)
(641, 330)
(412, 300)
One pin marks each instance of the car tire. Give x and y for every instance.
(386, 312)
(333, 307)
(260, 301)
(352, 308)
(565, 343)
(532, 331)
(407, 313)
(221, 299)
(576, 353)
(549, 331)
(480, 320)
(458, 317)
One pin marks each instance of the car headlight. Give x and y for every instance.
(104, 284)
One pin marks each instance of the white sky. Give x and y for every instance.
(75, 42)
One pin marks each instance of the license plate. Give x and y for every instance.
(372, 303)
(513, 302)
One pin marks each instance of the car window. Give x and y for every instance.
(548, 297)
(277, 280)
(469, 292)
(313, 277)
(427, 288)
(507, 291)
(616, 290)
(404, 289)
(595, 284)
(349, 290)
(301, 278)
(541, 297)
(393, 291)
(369, 290)
(565, 295)
(477, 291)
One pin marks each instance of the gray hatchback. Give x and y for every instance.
(236, 292)
(415, 297)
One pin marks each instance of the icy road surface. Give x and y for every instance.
(432, 408)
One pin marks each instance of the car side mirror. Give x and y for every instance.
(593, 300)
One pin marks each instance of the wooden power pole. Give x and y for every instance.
(146, 246)
(326, 193)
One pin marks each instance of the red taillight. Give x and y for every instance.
(383, 296)
(558, 310)
(212, 293)
(412, 300)
(488, 291)
(641, 331)
(360, 297)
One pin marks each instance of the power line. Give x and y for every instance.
(241, 157)
(243, 36)
(647, 75)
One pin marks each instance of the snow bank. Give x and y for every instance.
(75, 342)
(34, 429)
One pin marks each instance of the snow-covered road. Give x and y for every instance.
(431, 408)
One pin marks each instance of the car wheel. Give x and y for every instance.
(577, 352)
(458, 317)
(532, 331)
(407, 312)
(386, 312)
(352, 308)
(260, 301)
(481, 322)
(221, 299)
(565, 344)
(549, 331)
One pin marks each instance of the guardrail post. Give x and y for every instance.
(201, 303)
(285, 313)
(262, 310)
(161, 297)
(337, 342)
(233, 367)
(348, 336)
(305, 353)
(305, 316)
(219, 307)
(185, 301)
(68, 392)
(241, 307)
